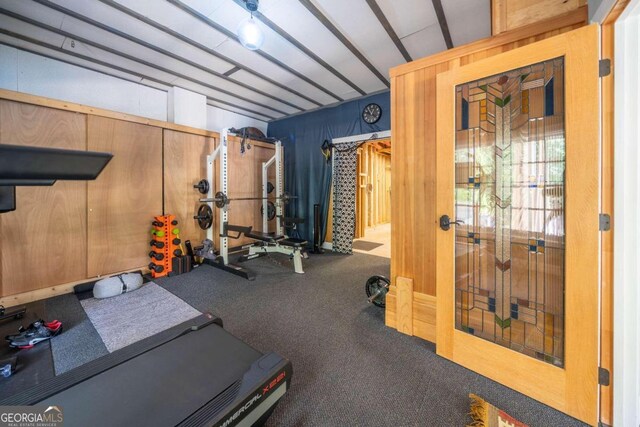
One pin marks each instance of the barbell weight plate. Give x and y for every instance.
(202, 186)
(379, 285)
(271, 210)
(270, 188)
(221, 200)
(205, 217)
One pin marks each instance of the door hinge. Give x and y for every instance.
(603, 376)
(605, 222)
(604, 67)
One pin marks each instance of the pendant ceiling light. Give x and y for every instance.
(249, 32)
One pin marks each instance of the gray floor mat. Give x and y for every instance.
(130, 317)
(79, 341)
(363, 245)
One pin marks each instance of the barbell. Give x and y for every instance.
(205, 214)
(221, 200)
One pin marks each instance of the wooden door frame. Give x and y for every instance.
(626, 296)
(576, 395)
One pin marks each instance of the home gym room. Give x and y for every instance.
(319, 212)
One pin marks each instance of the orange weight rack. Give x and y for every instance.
(165, 245)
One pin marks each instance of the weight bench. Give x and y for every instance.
(271, 243)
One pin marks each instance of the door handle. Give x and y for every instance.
(446, 223)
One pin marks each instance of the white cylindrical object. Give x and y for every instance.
(116, 285)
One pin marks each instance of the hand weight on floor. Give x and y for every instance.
(377, 288)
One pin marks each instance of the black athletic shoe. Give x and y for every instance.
(37, 332)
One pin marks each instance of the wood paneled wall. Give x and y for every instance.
(413, 126)
(126, 196)
(508, 15)
(44, 241)
(185, 164)
(73, 231)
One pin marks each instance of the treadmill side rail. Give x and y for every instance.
(261, 388)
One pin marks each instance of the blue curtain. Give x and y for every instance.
(307, 174)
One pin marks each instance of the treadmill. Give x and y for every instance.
(194, 374)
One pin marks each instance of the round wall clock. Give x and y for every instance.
(371, 113)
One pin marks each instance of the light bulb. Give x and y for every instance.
(250, 34)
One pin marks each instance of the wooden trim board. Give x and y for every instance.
(53, 291)
(511, 14)
(404, 305)
(423, 314)
(607, 171)
(80, 108)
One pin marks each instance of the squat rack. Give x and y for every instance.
(221, 152)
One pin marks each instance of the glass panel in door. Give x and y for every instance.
(509, 194)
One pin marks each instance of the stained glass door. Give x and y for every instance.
(509, 198)
(517, 246)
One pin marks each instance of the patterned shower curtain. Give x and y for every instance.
(344, 196)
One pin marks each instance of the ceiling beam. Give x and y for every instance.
(203, 48)
(442, 20)
(375, 8)
(161, 51)
(234, 37)
(134, 59)
(105, 64)
(334, 30)
(232, 71)
(288, 37)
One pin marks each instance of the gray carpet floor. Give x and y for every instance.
(349, 369)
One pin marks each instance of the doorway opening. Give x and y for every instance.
(373, 198)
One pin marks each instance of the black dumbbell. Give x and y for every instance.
(156, 268)
(176, 241)
(157, 224)
(156, 244)
(156, 255)
(174, 222)
(177, 252)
